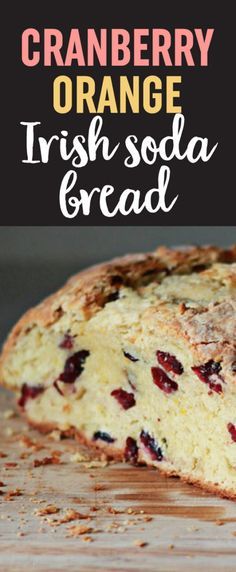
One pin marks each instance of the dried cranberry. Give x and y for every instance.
(151, 445)
(207, 369)
(74, 366)
(29, 392)
(131, 450)
(129, 356)
(125, 399)
(103, 436)
(67, 343)
(209, 373)
(217, 387)
(169, 362)
(232, 430)
(163, 381)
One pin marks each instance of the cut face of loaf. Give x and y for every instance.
(137, 357)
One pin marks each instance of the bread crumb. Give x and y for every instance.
(10, 495)
(50, 509)
(96, 464)
(72, 514)
(87, 539)
(54, 460)
(78, 530)
(10, 465)
(99, 487)
(140, 543)
(55, 435)
(79, 458)
(26, 441)
(113, 510)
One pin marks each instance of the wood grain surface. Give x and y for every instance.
(135, 520)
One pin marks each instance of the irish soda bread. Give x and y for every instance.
(137, 357)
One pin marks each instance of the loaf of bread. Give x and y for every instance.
(137, 358)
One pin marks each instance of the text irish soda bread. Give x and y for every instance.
(137, 357)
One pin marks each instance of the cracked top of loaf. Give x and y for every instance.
(190, 290)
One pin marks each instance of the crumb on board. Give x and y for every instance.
(10, 465)
(55, 435)
(49, 509)
(72, 514)
(28, 443)
(113, 510)
(79, 458)
(78, 530)
(53, 460)
(87, 539)
(99, 487)
(10, 495)
(147, 519)
(140, 543)
(68, 516)
(96, 464)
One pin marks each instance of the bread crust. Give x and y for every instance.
(88, 290)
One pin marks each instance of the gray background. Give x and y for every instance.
(34, 261)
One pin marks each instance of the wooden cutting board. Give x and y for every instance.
(135, 519)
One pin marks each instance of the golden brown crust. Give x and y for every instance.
(88, 290)
(111, 453)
